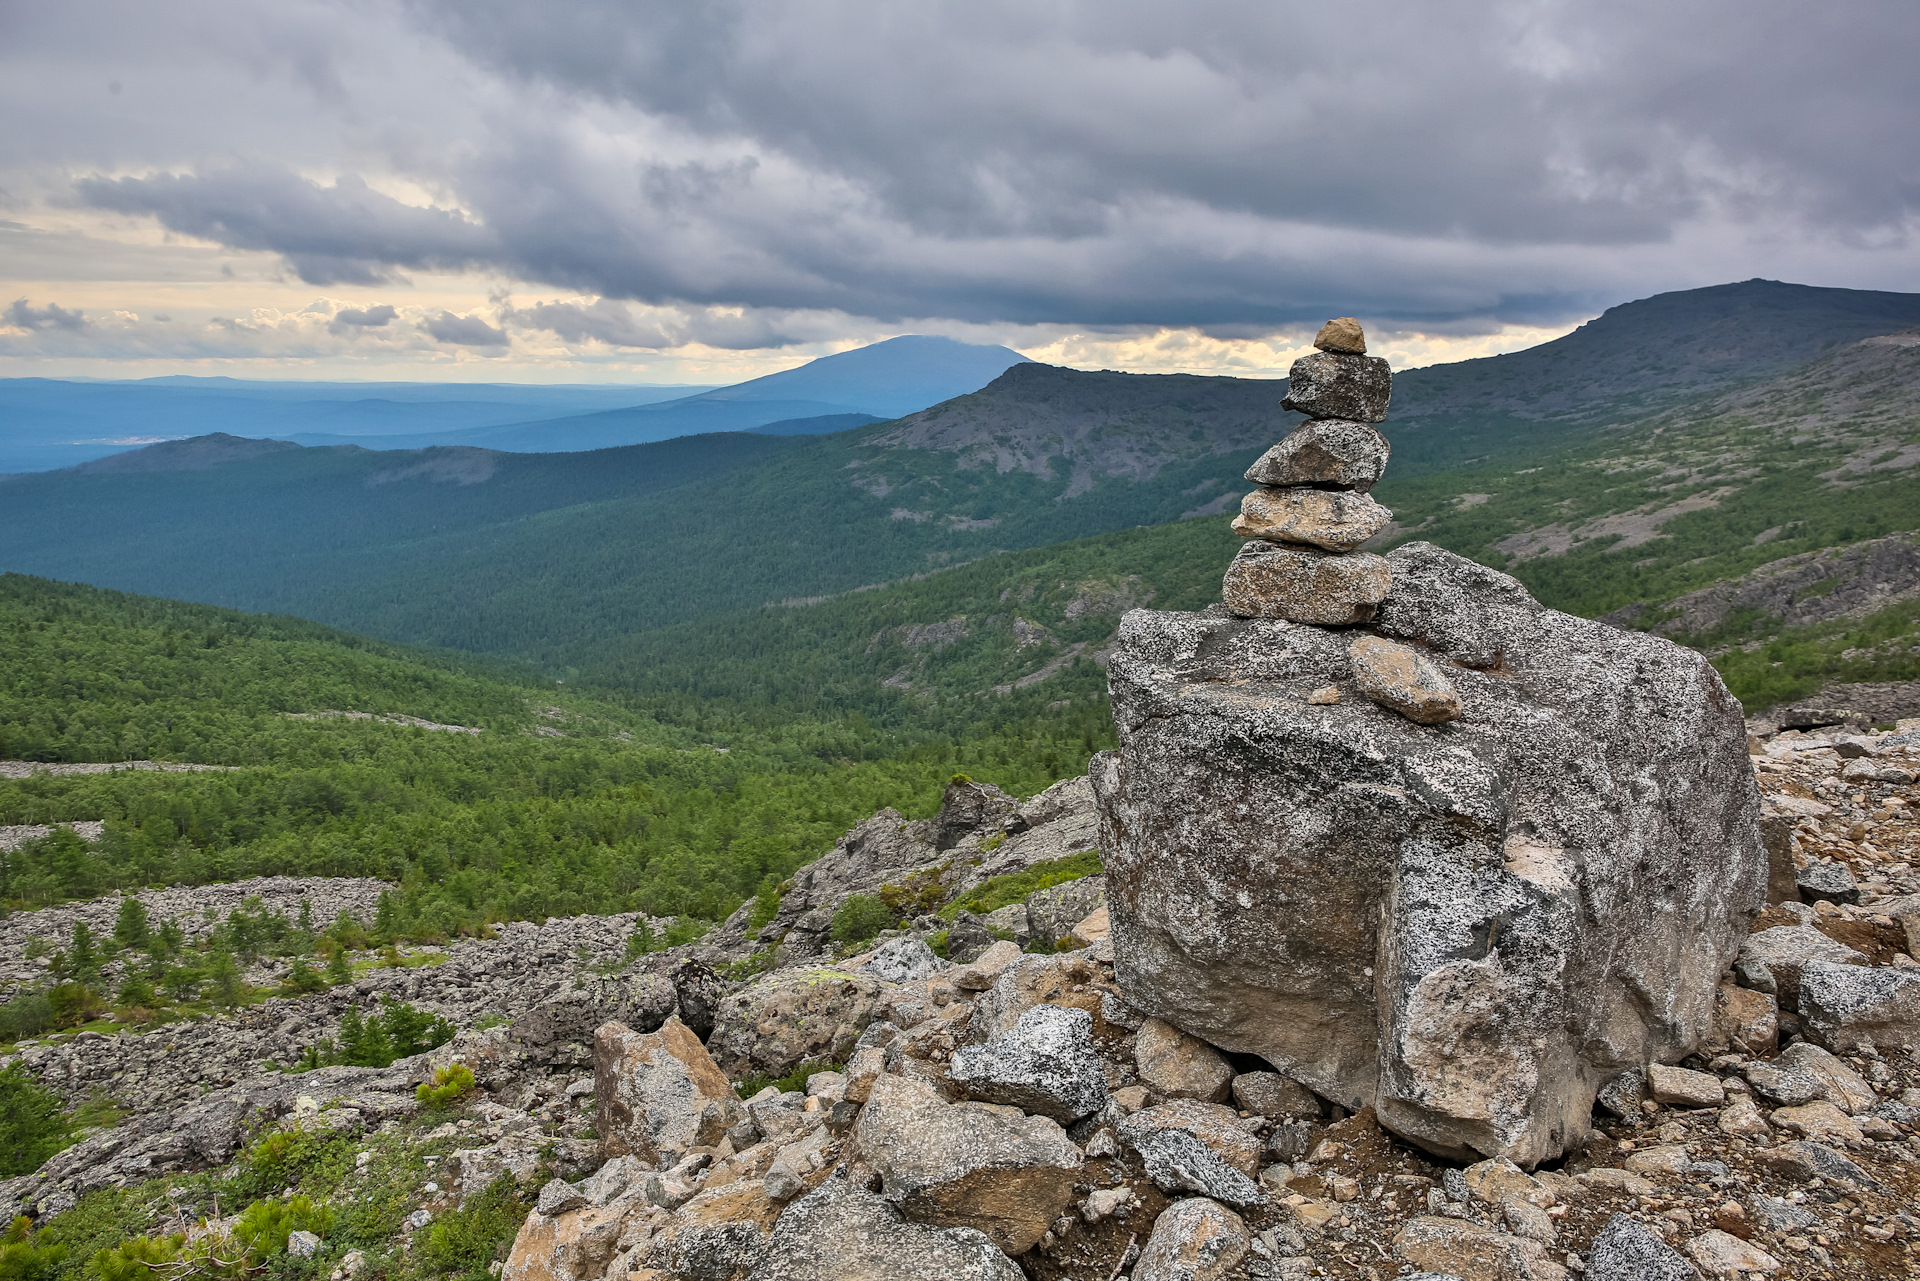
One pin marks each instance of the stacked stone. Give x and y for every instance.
(1304, 524)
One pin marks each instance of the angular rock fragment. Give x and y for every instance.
(1771, 960)
(1627, 1250)
(1681, 1088)
(1473, 1252)
(656, 1094)
(1847, 1008)
(1193, 1240)
(840, 1233)
(1829, 881)
(1331, 519)
(1326, 452)
(1744, 1020)
(715, 1236)
(967, 1164)
(790, 1017)
(1335, 385)
(903, 960)
(1269, 1094)
(1304, 585)
(1805, 1072)
(1454, 931)
(1177, 1161)
(1721, 1254)
(1213, 1125)
(1046, 1065)
(1403, 679)
(1178, 1066)
(1802, 1159)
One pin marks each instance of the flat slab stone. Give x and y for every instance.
(1331, 519)
(1332, 453)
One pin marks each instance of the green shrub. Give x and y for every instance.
(450, 1085)
(462, 1244)
(27, 1014)
(24, 1258)
(32, 1127)
(1004, 891)
(258, 1235)
(302, 979)
(859, 919)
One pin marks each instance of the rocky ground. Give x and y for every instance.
(1008, 1115)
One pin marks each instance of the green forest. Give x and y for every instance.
(566, 802)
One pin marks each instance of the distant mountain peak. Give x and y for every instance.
(196, 453)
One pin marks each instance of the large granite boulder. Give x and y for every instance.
(1467, 926)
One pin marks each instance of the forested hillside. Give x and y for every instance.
(563, 803)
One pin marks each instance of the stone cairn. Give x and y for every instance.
(1305, 524)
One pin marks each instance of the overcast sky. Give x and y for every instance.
(699, 192)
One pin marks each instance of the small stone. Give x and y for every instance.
(1216, 1126)
(1179, 1160)
(1325, 696)
(1742, 1118)
(1721, 1254)
(1193, 1240)
(302, 1245)
(1497, 1180)
(1744, 1020)
(558, 1196)
(980, 973)
(1774, 1214)
(1806, 1072)
(1847, 1007)
(1771, 960)
(1326, 453)
(1529, 1221)
(1046, 1066)
(1178, 1066)
(1402, 679)
(1272, 1095)
(839, 1232)
(1326, 518)
(1805, 1160)
(1668, 1158)
(1457, 1247)
(1627, 1250)
(1343, 336)
(1679, 1087)
(1332, 385)
(1305, 585)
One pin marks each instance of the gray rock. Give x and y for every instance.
(658, 1094)
(1178, 1161)
(1046, 1066)
(1623, 1095)
(791, 1017)
(1802, 1159)
(969, 1165)
(1848, 1007)
(1830, 881)
(1304, 584)
(840, 1233)
(1328, 452)
(1771, 961)
(558, 1196)
(1331, 519)
(967, 938)
(302, 1245)
(1627, 1250)
(1271, 1095)
(1177, 1065)
(1777, 1215)
(1193, 1240)
(1263, 854)
(1053, 912)
(1805, 1072)
(904, 960)
(1401, 679)
(968, 808)
(1330, 385)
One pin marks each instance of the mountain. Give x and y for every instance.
(880, 381)
(48, 423)
(1594, 503)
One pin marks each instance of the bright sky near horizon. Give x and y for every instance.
(642, 191)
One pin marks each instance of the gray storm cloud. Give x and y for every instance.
(1223, 165)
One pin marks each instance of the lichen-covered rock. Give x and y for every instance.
(842, 1233)
(1332, 519)
(1743, 1020)
(718, 1235)
(1848, 1008)
(1216, 1126)
(656, 1094)
(1269, 1094)
(1046, 1065)
(970, 1165)
(1627, 1250)
(1771, 961)
(1473, 1251)
(1328, 452)
(1806, 1072)
(903, 960)
(1053, 912)
(1193, 1240)
(1402, 679)
(1304, 584)
(1468, 927)
(1336, 385)
(1066, 979)
(791, 1017)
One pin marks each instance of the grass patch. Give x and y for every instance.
(1004, 891)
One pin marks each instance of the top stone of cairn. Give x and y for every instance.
(1342, 336)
